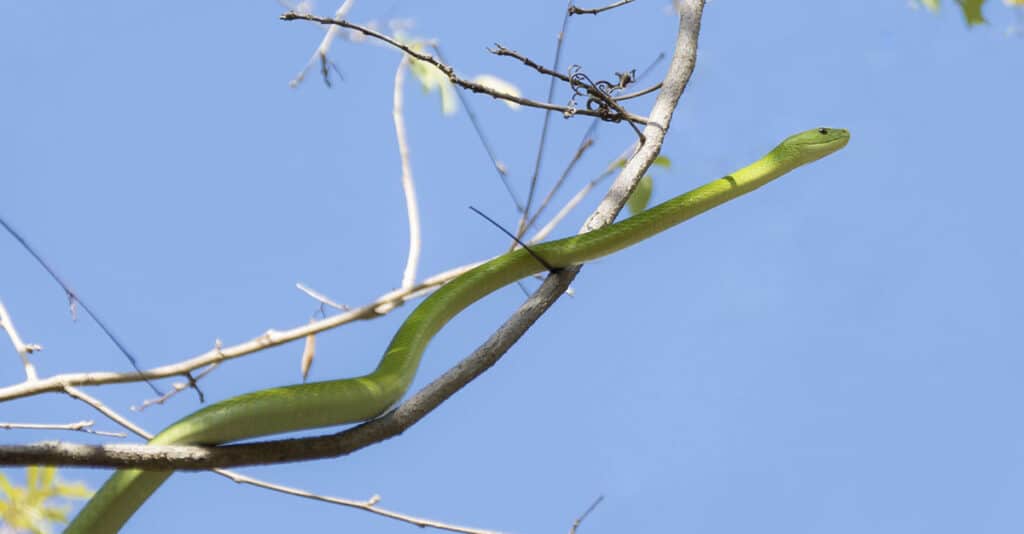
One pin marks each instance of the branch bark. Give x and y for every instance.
(424, 401)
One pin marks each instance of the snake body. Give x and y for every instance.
(350, 400)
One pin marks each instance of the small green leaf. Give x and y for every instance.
(663, 162)
(430, 77)
(932, 5)
(972, 11)
(641, 195)
(618, 164)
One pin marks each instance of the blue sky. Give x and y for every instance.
(838, 352)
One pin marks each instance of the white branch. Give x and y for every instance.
(20, 346)
(381, 306)
(408, 187)
(80, 426)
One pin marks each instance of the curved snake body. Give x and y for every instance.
(349, 400)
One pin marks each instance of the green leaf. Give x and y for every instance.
(972, 11)
(31, 508)
(662, 161)
(641, 195)
(932, 5)
(430, 77)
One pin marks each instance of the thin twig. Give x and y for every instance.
(325, 46)
(604, 99)
(450, 72)
(381, 306)
(573, 10)
(580, 195)
(321, 298)
(585, 139)
(369, 505)
(97, 405)
(408, 187)
(80, 426)
(544, 128)
(583, 516)
(499, 167)
(587, 143)
(507, 52)
(23, 349)
(540, 260)
(639, 93)
(73, 298)
(176, 388)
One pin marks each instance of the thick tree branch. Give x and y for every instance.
(424, 401)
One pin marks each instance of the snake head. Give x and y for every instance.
(815, 144)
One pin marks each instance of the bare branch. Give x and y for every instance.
(408, 187)
(499, 167)
(573, 10)
(381, 306)
(579, 520)
(320, 297)
(639, 93)
(369, 505)
(587, 143)
(325, 46)
(579, 196)
(74, 299)
(544, 130)
(507, 52)
(23, 349)
(455, 79)
(176, 388)
(80, 426)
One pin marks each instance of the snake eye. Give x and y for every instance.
(823, 131)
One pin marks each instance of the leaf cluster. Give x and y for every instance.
(30, 508)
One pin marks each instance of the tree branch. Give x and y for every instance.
(23, 349)
(408, 186)
(381, 306)
(454, 78)
(324, 47)
(573, 10)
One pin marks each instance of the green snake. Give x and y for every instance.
(350, 400)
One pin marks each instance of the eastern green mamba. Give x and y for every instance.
(350, 400)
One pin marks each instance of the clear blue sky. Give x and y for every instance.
(838, 352)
